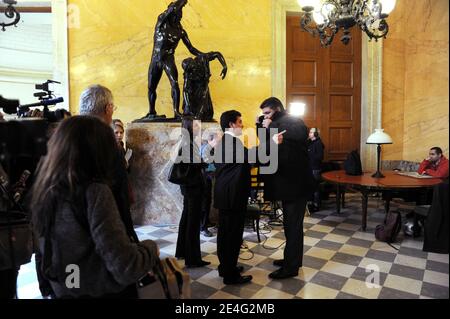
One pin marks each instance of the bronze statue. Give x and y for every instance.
(197, 99)
(168, 33)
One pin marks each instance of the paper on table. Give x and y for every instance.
(414, 174)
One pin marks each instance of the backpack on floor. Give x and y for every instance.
(389, 231)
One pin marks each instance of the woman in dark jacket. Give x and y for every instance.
(86, 252)
(188, 242)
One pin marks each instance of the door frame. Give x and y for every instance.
(371, 75)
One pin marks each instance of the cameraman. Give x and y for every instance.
(8, 277)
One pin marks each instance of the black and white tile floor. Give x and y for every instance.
(338, 260)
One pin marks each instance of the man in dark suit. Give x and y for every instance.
(231, 193)
(291, 183)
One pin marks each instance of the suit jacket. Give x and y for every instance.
(293, 178)
(233, 179)
(437, 222)
(120, 189)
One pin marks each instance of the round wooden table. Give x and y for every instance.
(366, 184)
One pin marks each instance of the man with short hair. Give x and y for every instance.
(97, 100)
(291, 184)
(436, 164)
(231, 194)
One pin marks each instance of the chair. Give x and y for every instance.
(257, 205)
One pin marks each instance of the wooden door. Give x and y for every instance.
(328, 81)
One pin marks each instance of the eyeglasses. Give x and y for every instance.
(114, 108)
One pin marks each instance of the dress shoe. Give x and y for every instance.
(278, 262)
(282, 274)
(313, 208)
(201, 263)
(238, 280)
(238, 268)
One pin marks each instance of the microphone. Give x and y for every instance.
(21, 185)
(45, 103)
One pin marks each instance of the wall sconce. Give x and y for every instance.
(379, 138)
(297, 109)
(10, 13)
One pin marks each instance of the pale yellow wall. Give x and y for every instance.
(114, 42)
(415, 79)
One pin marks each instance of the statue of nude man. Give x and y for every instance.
(168, 33)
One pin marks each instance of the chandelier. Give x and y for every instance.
(324, 18)
(10, 13)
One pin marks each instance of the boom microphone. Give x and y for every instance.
(45, 103)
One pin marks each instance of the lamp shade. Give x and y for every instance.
(387, 6)
(309, 3)
(379, 137)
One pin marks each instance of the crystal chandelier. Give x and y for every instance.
(10, 13)
(326, 17)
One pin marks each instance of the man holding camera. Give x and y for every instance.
(291, 184)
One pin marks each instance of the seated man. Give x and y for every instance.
(436, 164)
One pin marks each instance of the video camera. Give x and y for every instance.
(22, 143)
(46, 99)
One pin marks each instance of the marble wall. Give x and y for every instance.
(156, 200)
(415, 79)
(113, 40)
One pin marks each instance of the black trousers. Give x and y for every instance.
(293, 215)
(229, 240)
(8, 283)
(316, 195)
(206, 202)
(188, 242)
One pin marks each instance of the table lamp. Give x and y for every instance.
(379, 138)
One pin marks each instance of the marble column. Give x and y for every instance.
(157, 201)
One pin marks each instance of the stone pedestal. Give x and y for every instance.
(157, 202)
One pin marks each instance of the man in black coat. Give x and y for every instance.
(231, 193)
(291, 184)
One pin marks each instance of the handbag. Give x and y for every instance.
(166, 281)
(180, 173)
(16, 240)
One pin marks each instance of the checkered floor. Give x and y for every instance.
(339, 261)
